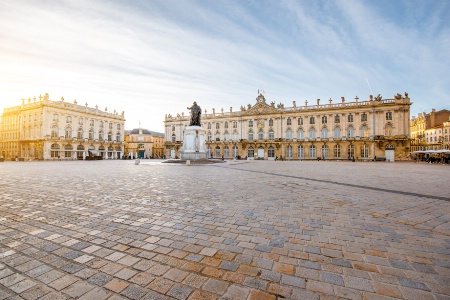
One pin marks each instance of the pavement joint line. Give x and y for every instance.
(341, 183)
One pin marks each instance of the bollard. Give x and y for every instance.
(188, 162)
(137, 161)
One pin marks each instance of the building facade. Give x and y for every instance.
(362, 129)
(143, 143)
(52, 130)
(430, 131)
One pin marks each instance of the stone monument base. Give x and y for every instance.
(194, 147)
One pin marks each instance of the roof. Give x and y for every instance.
(144, 131)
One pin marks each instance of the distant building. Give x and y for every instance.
(47, 129)
(143, 143)
(430, 131)
(362, 129)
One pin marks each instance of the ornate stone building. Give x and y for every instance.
(46, 129)
(361, 129)
(143, 143)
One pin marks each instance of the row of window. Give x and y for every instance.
(68, 150)
(312, 120)
(337, 134)
(81, 122)
(312, 153)
(80, 134)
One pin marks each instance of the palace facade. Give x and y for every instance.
(47, 129)
(362, 129)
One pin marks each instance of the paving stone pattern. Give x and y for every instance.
(240, 230)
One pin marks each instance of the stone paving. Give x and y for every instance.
(238, 230)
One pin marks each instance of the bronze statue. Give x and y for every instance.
(196, 112)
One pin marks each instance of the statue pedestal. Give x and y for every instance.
(194, 147)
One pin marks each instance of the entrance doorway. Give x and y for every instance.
(260, 153)
(389, 153)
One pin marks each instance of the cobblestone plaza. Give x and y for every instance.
(236, 230)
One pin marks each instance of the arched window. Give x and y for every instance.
(250, 135)
(226, 136)
(365, 151)
(312, 151)
(271, 152)
(54, 150)
(337, 132)
(350, 131)
(289, 122)
(300, 134)
(174, 138)
(350, 118)
(217, 152)
(68, 150)
(110, 136)
(337, 151)
(350, 151)
(80, 133)
(101, 136)
(209, 136)
(388, 130)
(235, 135)
(68, 132)
(324, 133)
(55, 131)
(217, 136)
(312, 133)
(271, 135)
(80, 150)
(364, 131)
(300, 151)
(289, 151)
(300, 121)
(226, 124)
(260, 134)
(226, 152)
(251, 151)
(91, 134)
(270, 122)
(324, 120)
(324, 151)
(311, 120)
(289, 134)
(235, 151)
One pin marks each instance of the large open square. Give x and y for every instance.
(234, 230)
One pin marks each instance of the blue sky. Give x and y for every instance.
(151, 58)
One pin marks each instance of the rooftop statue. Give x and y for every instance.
(196, 112)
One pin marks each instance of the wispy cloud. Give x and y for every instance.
(150, 58)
